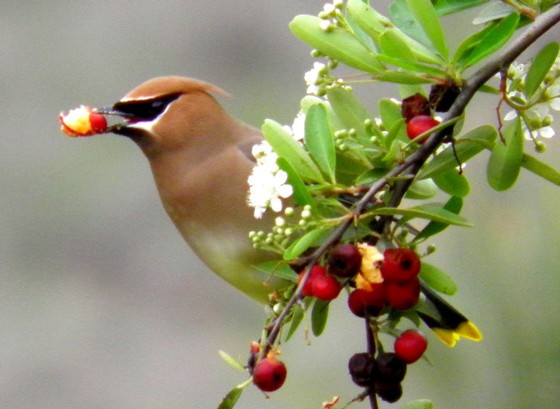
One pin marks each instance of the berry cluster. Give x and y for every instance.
(382, 283)
(383, 374)
(417, 114)
(399, 287)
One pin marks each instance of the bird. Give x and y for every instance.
(201, 159)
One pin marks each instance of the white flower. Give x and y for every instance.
(298, 126)
(328, 8)
(552, 93)
(313, 77)
(535, 122)
(267, 183)
(517, 70)
(297, 130)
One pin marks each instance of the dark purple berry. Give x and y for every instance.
(389, 391)
(390, 368)
(344, 260)
(362, 369)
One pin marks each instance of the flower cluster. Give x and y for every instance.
(331, 15)
(535, 109)
(268, 183)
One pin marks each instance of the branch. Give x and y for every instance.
(413, 163)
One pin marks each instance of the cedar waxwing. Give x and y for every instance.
(201, 161)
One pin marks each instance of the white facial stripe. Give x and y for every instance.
(138, 98)
(147, 125)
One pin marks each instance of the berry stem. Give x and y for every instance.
(371, 330)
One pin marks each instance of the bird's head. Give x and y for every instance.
(167, 113)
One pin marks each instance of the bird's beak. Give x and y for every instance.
(119, 127)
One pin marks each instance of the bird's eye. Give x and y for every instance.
(147, 109)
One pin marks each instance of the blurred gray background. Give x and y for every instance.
(101, 304)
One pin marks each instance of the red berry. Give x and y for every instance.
(362, 302)
(316, 271)
(420, 124)
(325, 288)
(400, 265)
(269, 374)
(98, 122)
(344, 260)
(402, 295)
(410, 346)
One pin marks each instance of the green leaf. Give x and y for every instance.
(350, 111)
(420, 403)
(375, 24)
(278, 268)
(421, 190)
(310, 239)
(368, 19)
(349, 167)
(444, 7)
(454, 205)
(392, 44)
(286, 147)
(337, 43)
(409, 65)
(319, 316)
(541, 169)
(496, 10)
(297, 318)
(505, 161)
(452, 183)
(390, 112)
(300, 194)
(230, 361)
(426, 211)
(403, 77)
(232, 397)
(425, 14)
(466, 147)
(437, 279)
(540, 67)
(371, 176)
(491, 40)
(320, 141)
(404, 19)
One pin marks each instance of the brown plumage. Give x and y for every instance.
(200, 159)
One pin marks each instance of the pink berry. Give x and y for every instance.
(420, 124)
(410, 346)
(269, 374)
(400, 265)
